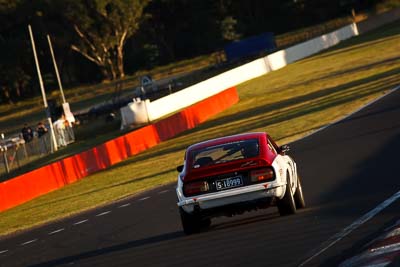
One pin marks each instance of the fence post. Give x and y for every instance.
(17, 156)
(4, 150)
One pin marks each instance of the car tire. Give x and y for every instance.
(192, 223)
(287, 205)
(299, 196)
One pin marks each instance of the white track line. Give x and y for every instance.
(163, 192)
(337, 237)
(144, 198)
(3, 251)
(103, 213)
(125, 205)
(334, 239)
(28, 242)
(83, 221)
(56, 231)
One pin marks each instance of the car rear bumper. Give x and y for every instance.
(229, 197)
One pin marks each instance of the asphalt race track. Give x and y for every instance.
(347, 169)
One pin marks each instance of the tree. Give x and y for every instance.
(183, 28)
(102, 28)
(14, 71)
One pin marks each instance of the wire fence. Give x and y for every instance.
(16, 152)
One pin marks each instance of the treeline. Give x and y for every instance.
(98, 40)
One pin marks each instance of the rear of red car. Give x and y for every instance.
(233, 174)
(227, 163)
(227, 176)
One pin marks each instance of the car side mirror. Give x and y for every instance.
(283, 149)
(179, 168)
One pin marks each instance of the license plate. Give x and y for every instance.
(229, 183)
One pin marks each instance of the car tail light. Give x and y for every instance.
(262, 175)
(195, 188)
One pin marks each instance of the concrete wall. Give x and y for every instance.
(254, 69)
(205, 89)
(261, 66)
(294, 53)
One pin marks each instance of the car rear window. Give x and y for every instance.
(225, 153)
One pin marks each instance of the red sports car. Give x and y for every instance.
(234, 174)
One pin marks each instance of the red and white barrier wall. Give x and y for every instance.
(69, 170)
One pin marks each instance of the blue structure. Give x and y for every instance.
(250, 46)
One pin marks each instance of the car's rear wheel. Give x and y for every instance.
(287, 205)
(193, 223)
(298, 195)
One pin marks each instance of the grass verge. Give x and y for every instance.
(288, 104)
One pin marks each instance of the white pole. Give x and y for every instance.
(56, 69)
(53, 137)
(66, 109)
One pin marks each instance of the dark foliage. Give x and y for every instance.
(169, 30)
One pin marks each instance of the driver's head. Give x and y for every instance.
(250, 149)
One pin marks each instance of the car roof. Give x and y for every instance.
(226, 139)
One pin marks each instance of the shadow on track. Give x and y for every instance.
(245, 221)
(154, 240)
